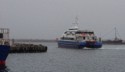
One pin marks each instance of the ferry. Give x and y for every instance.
(76, 38)
(4, 46)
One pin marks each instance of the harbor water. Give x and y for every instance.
(109, 58)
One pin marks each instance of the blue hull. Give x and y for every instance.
(94, 45)
(71, 44)
(75, 44)
(4, 50)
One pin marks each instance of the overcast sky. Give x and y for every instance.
(48, 19)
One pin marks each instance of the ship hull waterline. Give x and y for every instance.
(4, 51)
(78, 45)
(93, 44)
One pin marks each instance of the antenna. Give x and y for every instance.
(116, 33)
(75, 27)
(76, 21)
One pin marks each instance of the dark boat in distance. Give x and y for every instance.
(115, 41)
(4, 46)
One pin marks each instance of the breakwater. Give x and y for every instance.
(34, 40)
(27, 48)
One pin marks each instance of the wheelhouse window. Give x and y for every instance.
(1, 35)
(66, 38)
(84, 38)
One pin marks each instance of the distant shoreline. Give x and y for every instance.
(52, 40)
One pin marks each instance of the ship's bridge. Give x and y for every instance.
(74, 28)
(4, 36)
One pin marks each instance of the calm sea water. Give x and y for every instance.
(110, 58)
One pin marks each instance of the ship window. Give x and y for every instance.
(68, 33)
(83, 38)
(1, 35)
(87, 38)
(94, 37)
(66, 38)
(79, 38)
(89, 32)
(78, 32)
(71, 38)
(73, 33)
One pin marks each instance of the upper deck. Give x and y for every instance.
(4, 36)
